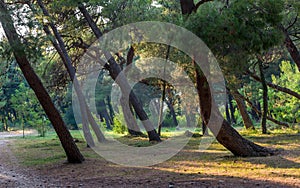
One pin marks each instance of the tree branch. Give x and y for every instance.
(276, 87)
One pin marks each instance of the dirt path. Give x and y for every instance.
(100, 173)
(11, 175)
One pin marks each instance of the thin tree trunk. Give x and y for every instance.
(227, 113)
(243, 110)
(276, 87)
(163, 95)
(172, 112)
(72, 152)
(265, 98)
(85, 111)
(115, 71)
(260, 113)
(232, 108)
(111, 110)
(104, 113)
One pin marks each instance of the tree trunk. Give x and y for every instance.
(115, 71)
(104, 113)
(72, 152)
(111, 110)
(243, 110)
(172, 111)
(226, 135)
(291, 47)
(187, 6)
(257, 111)
(227, 113)
(85, 111)
(265, 98)
(132, 126)
(232, 108)
(276, 87)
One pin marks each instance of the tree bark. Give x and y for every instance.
(132, 126)
(104, 113)
(227, 135)
(111, 110)
(232, 108)
(291, 47)
(115, 71)
(72, 152)
(172, 111)
(227, 113)
(86, 114)
(243, 110)
(265, 98)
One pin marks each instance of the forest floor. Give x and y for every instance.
(40, 162)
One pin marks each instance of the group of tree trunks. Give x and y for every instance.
(225, 134)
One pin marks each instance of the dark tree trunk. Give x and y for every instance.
(72, 152)
(226, 135)
(187, 6)
(265, 98)
(291, 47)
(172, 111)
(111, 110)
(85, 111)
(115, 70)
(132, 126)
(243, 110)
(232, 108)
(227, 113)
(104, 113)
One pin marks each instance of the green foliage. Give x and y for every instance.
(119, 124)
(237, 33)
(285, 107)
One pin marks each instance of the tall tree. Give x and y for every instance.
(72, 152)
(227, 135)
(115, 70)
(85, 112)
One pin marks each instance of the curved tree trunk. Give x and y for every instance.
(226, 135)
(72, 152)
(243, 110)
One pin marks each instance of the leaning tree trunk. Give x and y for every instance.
(86, 114)
(243, 110)
(132, 126)
(115, 71)
(291, 47)
(72, 152)
(226, 135)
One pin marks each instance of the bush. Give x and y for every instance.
(119, 124)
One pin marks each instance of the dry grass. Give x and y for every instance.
(191, 167)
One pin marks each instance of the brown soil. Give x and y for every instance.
(100, 173)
